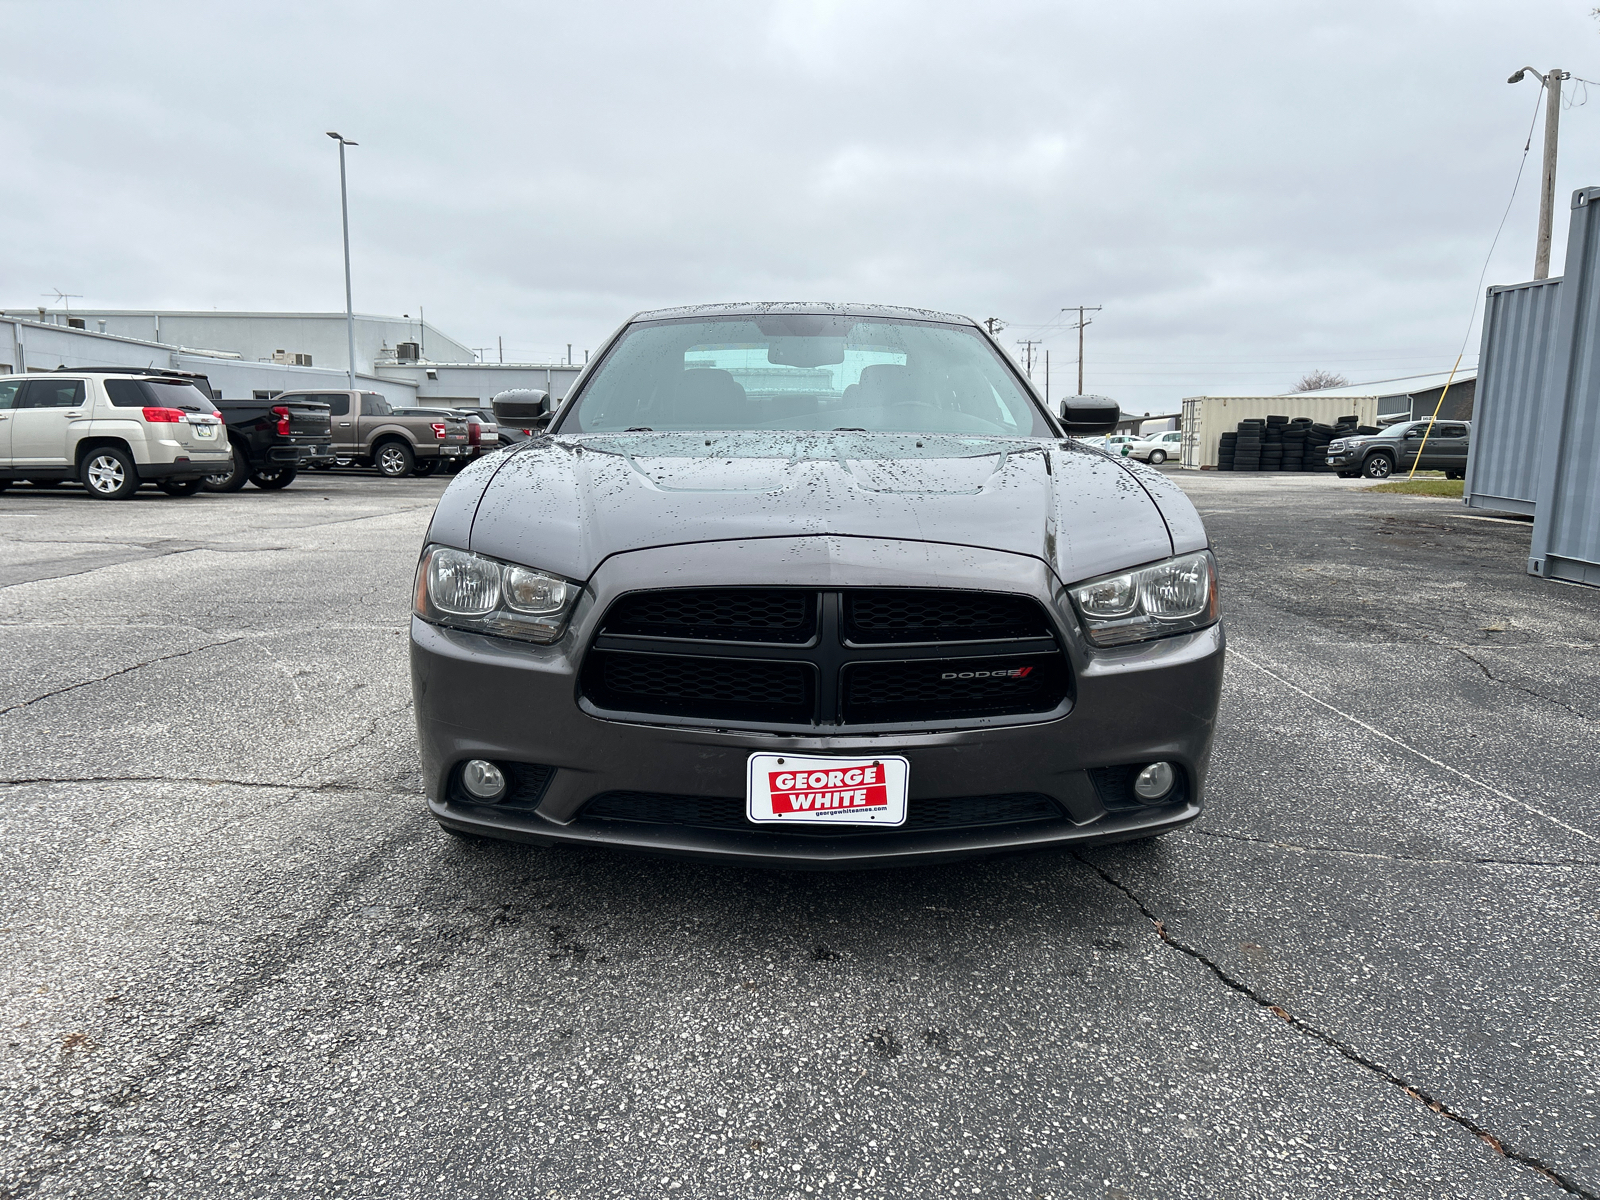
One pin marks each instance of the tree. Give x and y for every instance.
(1314, 381)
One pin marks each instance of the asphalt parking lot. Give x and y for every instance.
(240, 960)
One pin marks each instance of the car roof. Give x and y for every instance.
(804, 307)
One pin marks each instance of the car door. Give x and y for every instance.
(346, 437)
(1451, 451)
(49, 417)
(8, 397)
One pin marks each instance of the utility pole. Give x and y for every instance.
(1551, 80)
(1047, 379)
(349, 308)
(1027, 345)
(501, 342)
(1082, 321)
(994, 325)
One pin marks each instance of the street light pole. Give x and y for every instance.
(1547, 193)
(349, 307)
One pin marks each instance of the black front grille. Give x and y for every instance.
(777, 615)
(689, 685)
(899, 691)
(897, 615)
(817, 659)
(728, 812)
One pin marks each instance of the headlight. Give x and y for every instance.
(1170, 597)
(468, 591)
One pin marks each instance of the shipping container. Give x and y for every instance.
(1566, 523)
(1519, 324)
(1207, 418)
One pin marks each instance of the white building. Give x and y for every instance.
(261, 354)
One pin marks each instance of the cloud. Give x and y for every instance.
(1249, 189)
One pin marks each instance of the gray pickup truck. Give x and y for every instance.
(366, 430)
(1379, 455)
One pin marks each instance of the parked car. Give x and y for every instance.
(112, 430)
(1156, 448)
(271, 440)
(367, 431)
(731, 605)
(1379, 455)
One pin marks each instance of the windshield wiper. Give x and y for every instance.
(638, 429)
(848, 429)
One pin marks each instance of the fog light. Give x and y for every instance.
(485, 781)
(1154, 782)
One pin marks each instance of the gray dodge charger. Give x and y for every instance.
(813, 585)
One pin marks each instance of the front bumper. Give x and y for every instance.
(481, 697)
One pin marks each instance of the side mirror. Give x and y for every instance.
(521, 406)
(1085, 416)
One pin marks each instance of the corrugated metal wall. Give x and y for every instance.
(1519, 326)
(1566, 526)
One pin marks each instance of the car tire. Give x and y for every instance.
(394, 460)
(1157, 457)
(231, 480)
(426, 467)
(180, 487)
(108, 473)
(1379, 466)
(272, 481)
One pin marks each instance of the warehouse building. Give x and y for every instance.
(261, 354)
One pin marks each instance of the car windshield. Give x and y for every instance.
(802, 372)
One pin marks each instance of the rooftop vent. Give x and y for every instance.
(288, 359)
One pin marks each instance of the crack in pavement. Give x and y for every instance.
(72, 687)
(1538, 695)
(1343, 1048)
(1409, 748)
(1417, 858)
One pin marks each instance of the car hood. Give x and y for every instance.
(566, 503)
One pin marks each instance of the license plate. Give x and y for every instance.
(204, 431)
(791, 789)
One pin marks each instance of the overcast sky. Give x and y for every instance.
(1250, 190)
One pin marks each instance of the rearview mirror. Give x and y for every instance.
(521, 405)
(1085, 416)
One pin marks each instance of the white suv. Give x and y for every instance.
(110, 430)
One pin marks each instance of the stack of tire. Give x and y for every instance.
(1247, 445)
(1281, 443)
(1294, 443)
(1272, 444)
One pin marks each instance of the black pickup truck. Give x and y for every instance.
(272, 439)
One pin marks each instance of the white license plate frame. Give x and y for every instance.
(204, 431)
(865, 790)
